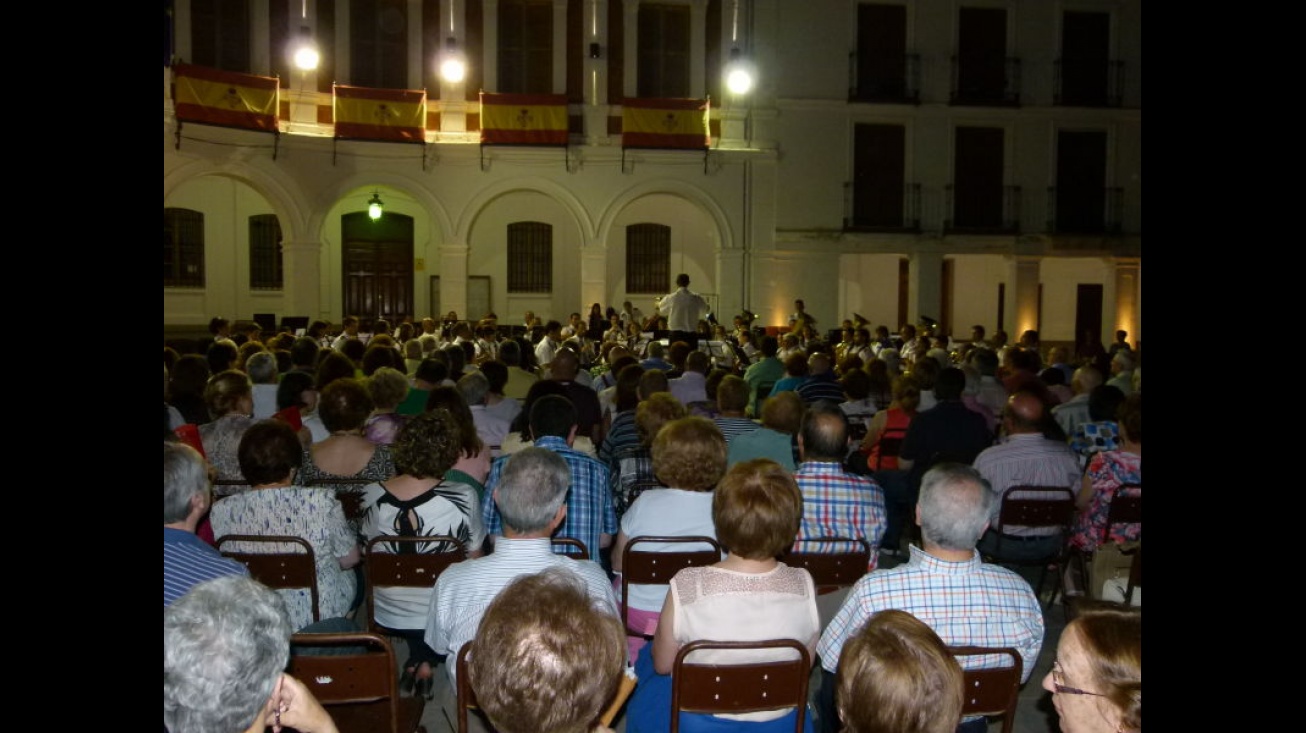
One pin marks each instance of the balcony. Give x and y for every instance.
(1088, 83)
(884, 79)
(987, 82)
(1085, 210)
(982, 210)
(871, 208)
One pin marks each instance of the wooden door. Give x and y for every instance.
(1085, 55)
(879, 158)
(981, 53)
(377, 266)
(881, 51)
(977, 178)
(1081, 181)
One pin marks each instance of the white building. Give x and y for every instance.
(976, 162)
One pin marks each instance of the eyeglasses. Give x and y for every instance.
(1058, 677)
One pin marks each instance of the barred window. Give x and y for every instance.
(663, 53)
(648, 258)
(265, 252)
(530, 257)
(183, 248)
(526, 46)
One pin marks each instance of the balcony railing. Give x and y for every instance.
(1085, 211)
(995, 83)
(875, 213)
(889, 79)
(982, 210)
(1088, 83)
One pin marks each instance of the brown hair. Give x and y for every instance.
(654, 412)
(224, 390)
(897, 676)
(545, 659)
(783, 412)
(427, 444)
(267, 451)
(756, 509)
(732, 394)
(344, 405)
(688, 453)
(1112, 637)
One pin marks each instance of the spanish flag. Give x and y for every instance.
(665, 123)
(226, 98)
(523, 119)
(396, 115)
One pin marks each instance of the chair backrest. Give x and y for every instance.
(465, 696)
(1135, 575)
(275, 567)
(401, 565)
(991, 691)
(645, 567)
(739, 688)
(349, 490)
(1126, 508)
(1037, 506)
(838, 568)
(358, 688)
(571, 547)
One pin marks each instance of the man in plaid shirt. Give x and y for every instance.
(946, 585)
(590, 515)
(835, 503)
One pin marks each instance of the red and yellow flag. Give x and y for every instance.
(227, 98)
(523, 119)
(397, 115)
(665, 123)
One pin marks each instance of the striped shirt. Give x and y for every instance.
(838, 504)
(187, 561)
(1027, 459)
(966, 603)
(732, 426)
(466, 588)
(589, 502)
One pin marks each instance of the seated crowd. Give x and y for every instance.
(507, 438)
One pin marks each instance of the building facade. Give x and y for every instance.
(969, 161)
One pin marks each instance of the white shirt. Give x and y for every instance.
(545, 350)
(683, 310)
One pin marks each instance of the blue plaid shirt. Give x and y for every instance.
(589, 501)
(838, 504)
(966, 603)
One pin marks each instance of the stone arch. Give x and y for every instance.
(472, 211)
(281, 192)
(681, 189)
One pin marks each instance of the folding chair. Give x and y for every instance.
(393, 567)
(275, 567)
(1035, 507)
(358, 690)
(990, 691)
(833, 570)
(656, 567)
(571, 547)
(740, 688)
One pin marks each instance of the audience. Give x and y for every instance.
(187, 560)
(230, 400)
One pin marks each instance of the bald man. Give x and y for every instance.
(1026, 457)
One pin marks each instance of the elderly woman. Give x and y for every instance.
(270, 455)
(748, 596)
(631, 469)
(225, 644)
(689, 456)
(346, 454)
(417, 502)
(387, 387)
(230, 399)
(897, 676)
(1107, 472)
(1096, 680)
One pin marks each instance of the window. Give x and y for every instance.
(219, 35)
(265, 252)
(1085, 58)
(882, 52)
(378, 51)
(1081, 193)
(648, 258)
(183, 248)
(526, 46)
(663, 51)
(879, 187)
(980, 68)
(530, 257)
(977, 177)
